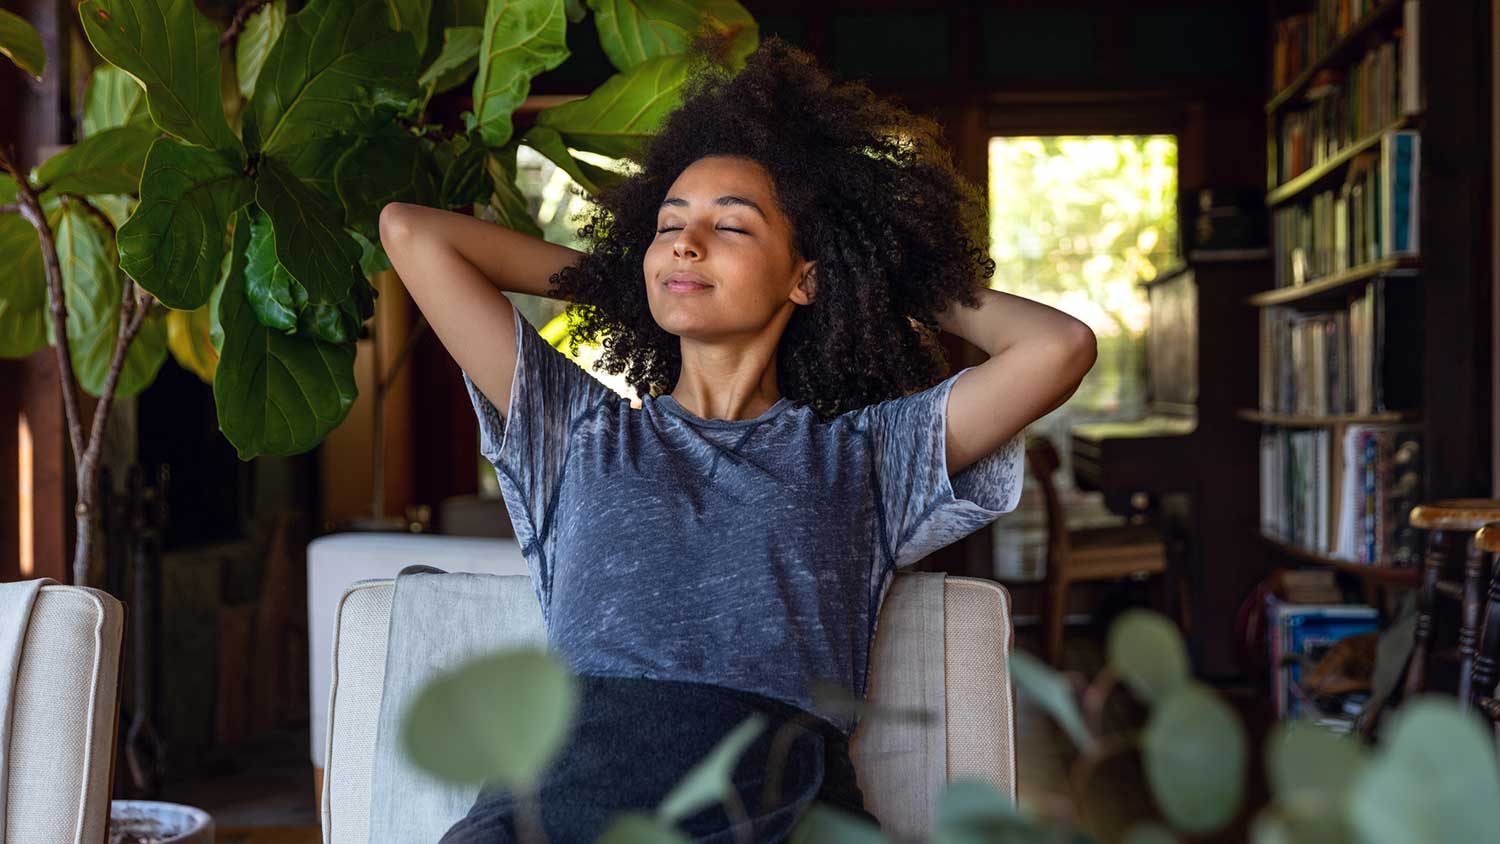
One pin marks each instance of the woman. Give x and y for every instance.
(768, 283)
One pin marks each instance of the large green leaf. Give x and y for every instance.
(447, 14)
(708, 782)
(972, 811)
(23, 289)
(275, 393)
(272, 292)
(253, 46)
(1148, 653)
(108, 162)
(465, 180)
(457, 61)
(20, 43)
(116, 206)
(334, 67)
(172, 50)
(521, 39)
(410, 16)
(93, 286)
(322, 261)
(622, 114)
(1195, 750)
(503, 716)
(406, 174)
(507, 205)
(1436, 779)
(634, 31)
(173, 243)
(314, 162)
(114, 98)
(550, 144)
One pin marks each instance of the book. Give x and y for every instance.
(1300, 634)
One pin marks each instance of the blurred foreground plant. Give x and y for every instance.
(1433, 778)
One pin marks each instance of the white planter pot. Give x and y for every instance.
(150, 822)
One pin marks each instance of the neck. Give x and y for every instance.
(729, 377)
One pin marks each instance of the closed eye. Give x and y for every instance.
(679, 228)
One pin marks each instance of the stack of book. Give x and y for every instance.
(1349, 360)
(1300, 635)
(1348, 504)
(1371, 215)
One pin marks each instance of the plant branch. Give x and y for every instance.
(30, 206)
(10, 208)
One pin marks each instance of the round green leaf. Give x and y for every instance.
(1436, 778)
(973, 811)
(1303, 757)
(1148, 653)
(1053, 693)
(709, 781)
(503, 716)
(1194, 750)
(636, 828)
(174, 51)
(20, 43)
(822, 824)
(1150, 833)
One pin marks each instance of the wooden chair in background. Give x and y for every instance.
(1133, 551)
(1486, 696)
(1451, 525)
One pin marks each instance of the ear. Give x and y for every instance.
(806, 287)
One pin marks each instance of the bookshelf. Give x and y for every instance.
(1368, 213)
(1341, 348)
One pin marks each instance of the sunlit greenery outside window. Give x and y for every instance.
(1077, 222)
(560, 208)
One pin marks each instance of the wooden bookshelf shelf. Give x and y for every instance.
(1389, 575)
(1317, 175)
(1335, 284)
(1285, 420)
(1345, 51)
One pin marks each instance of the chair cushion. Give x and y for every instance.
(63, 718)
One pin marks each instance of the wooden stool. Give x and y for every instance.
(1486, 699)
(1441, 519)
(1075, 556)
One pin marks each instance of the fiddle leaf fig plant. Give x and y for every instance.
(221, 201)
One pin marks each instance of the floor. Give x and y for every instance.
(269, 799)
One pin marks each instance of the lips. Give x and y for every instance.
(686, 282)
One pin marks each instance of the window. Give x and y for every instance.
(1076, 222)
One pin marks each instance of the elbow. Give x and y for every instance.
(395, 224)
(1080, 349)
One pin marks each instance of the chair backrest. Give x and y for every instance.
(1042, 457)
(974, 692)
(63, 718)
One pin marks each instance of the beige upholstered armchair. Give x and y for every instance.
(63, 711)
(943, 644)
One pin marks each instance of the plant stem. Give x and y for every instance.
(237, 24)
(135, 304)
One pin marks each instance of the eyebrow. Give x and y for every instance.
(723, 200)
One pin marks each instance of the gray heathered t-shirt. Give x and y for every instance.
(752, 554)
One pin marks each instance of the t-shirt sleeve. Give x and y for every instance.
(924, 508)
(528, 444)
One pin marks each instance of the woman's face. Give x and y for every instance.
(721, 262)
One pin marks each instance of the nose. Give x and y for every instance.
(684, 245)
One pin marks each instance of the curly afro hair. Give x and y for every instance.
(897, 234)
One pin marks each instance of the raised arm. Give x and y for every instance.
(455, 267)
(1038, 357)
